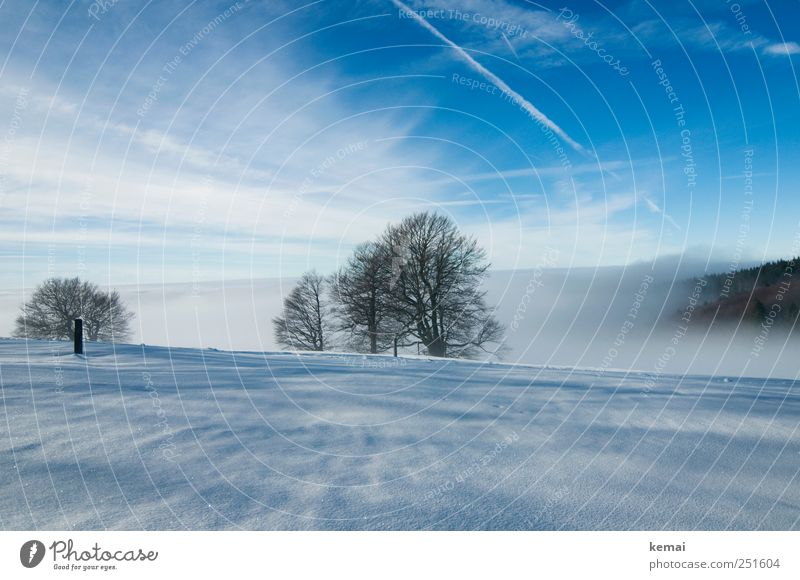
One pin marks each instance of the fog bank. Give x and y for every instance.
(638, 317)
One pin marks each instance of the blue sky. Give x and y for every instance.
(148, 142)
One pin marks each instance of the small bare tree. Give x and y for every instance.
(304, 324)
(57, 302)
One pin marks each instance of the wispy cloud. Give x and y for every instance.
(714, 35)
(610, 167)
(246, 152)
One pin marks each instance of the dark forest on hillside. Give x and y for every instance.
(766, 292)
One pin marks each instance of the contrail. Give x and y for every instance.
(500, 83)
(510, 46)
(653, 206)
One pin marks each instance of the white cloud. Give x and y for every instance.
(782, 49)
(274, 197)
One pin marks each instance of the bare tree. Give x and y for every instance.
(57, 302)
(304, 324)
(361, 292)
(436, 292)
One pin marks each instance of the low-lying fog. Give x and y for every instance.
(638, 317)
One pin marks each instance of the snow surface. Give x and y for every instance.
(134, 437)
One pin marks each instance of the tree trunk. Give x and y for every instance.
(373, 341)
(373, 323)
(78, 338)
(437, 348)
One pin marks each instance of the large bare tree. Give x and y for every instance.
(304, 323)
(436, 287)
(362, 295)
(57, 302)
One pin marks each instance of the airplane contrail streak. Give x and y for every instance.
(498, 82)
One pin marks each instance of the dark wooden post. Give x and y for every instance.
(395, 345)
(78, 336)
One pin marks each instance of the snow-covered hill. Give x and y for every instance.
(136, 437)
